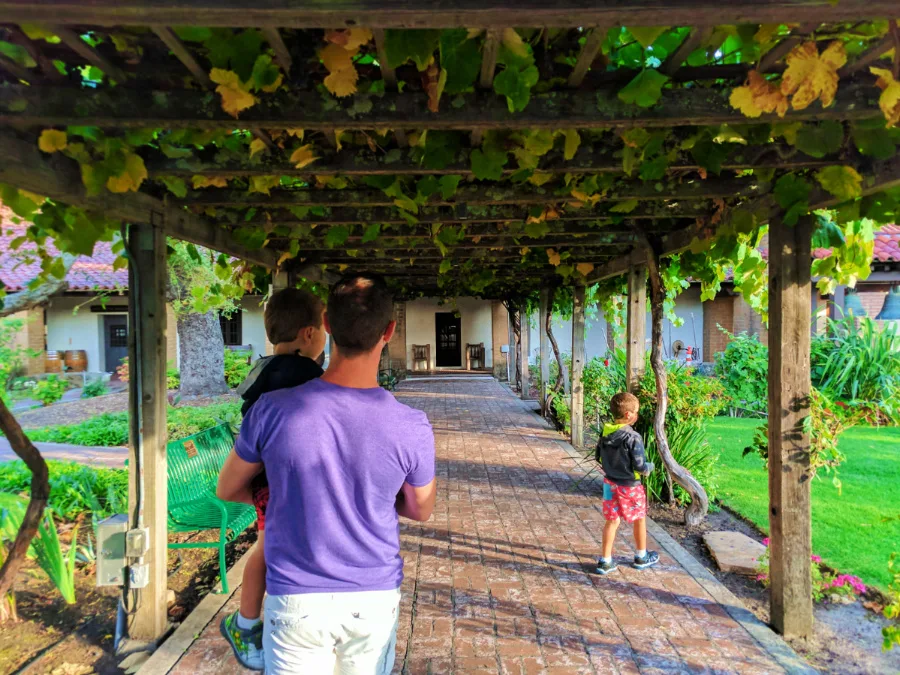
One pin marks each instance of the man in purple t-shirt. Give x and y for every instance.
(344, 458)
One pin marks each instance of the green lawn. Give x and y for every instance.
(855, 530)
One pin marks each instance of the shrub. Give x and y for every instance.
(825, 583)
(49, 390)
(743, 369)
(74, 488)
(173, 377)
(891, 633)
(236, 367)
(689, 447)
(94, 389)
(122, 370)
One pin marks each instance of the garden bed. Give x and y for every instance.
(51, 634)
(846, 639)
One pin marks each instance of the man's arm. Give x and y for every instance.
(417, 503)
(235, 478)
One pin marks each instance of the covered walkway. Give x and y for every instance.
(498, 582)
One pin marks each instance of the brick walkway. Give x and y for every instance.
(498, 582)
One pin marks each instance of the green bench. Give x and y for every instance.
(193, 471)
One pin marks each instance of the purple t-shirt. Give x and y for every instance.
(336, 458)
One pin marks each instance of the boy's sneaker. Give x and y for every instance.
(649, 560)
(247, 644)
(604, 567)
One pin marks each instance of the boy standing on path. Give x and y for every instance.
(344, 459)
(294, 325)
(621, 454)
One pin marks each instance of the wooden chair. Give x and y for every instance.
(474, 354)
(421, 354)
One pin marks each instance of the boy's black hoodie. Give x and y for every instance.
(621, 453)
(276, 372)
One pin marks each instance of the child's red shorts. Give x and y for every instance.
(627, 503)
(259, 490)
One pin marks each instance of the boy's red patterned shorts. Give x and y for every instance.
(259, 489)
(627, 503)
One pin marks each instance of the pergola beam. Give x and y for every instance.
(50, 105)
(723, 188)
(589, 52)
(587, 160)
(74, 42)
(59, 178)
(459, 14)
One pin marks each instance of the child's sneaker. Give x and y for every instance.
(604, 567)
(247, 644)
(649, 560)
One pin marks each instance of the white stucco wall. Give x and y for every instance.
(252, 325)
(475, 325)
(67, 329)
(688, 307)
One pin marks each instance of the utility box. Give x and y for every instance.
(111, 548)
(504, 349)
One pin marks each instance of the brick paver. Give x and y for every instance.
(498, 580)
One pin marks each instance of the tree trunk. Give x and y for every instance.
(28, 299)
(40, 492)
(562, 375)
(202, 355)
(699, 505)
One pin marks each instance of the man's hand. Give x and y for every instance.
(417, 503)
(235, 478)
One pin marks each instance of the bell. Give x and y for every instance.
(891, 309)
(853, 303)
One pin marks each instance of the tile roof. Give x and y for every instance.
(17, 268)
(887, 244)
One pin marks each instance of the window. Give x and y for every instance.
(232, 333)
(118, 336)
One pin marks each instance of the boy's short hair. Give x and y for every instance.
(290, 310)
(623, 403)
(360, 309)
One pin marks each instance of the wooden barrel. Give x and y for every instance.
(53, 362)
(76, 360)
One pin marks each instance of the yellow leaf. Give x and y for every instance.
(335, 57)
(553, 257)
(131, 178)
(573, 140)
(210, 181)
(766, 32)
(274, 86)
(810, 76)
(889, 101)
(257, 145)
(262, 183)
(585, 198)
(584, 268)
(52, 140)
(284, 256)
(514, 43)
(303, 156)
(296, 133)
(525, 250)
(476, 238)
(235, 94)
(342, 267)
(539, 178)
(342, 82)
(357, 38)
(337, 139)
(758, 96)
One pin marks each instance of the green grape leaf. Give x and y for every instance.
(827, 234)
(791, 189)
(251, 237)
(573, 140)
(645, 89)
(427, 186)
(710, 155)
(401, 45)
(842, 182)
(193, 33)
(536, 230)
(488, 165)
(441, 148)
(625, 206)
(647, 35)
(516, 86)
(818, 140)
(175, 185)
(265, 73)
(655, 169)
(446, 266)
(234, 51)
(449, 185)
(877, 143)
(461, 58)
(371, 233)
(337, 235)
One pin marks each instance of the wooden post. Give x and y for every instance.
(545, 350)
(790, 530)
(636, 326)
(147, 500)
(578, 293)
(512, 354)
(524, 337)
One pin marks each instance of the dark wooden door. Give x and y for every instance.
(115, 340)
(447, 328)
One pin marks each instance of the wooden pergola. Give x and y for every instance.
(314, 219)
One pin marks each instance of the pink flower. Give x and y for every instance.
(766, 541)
(816, 558)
